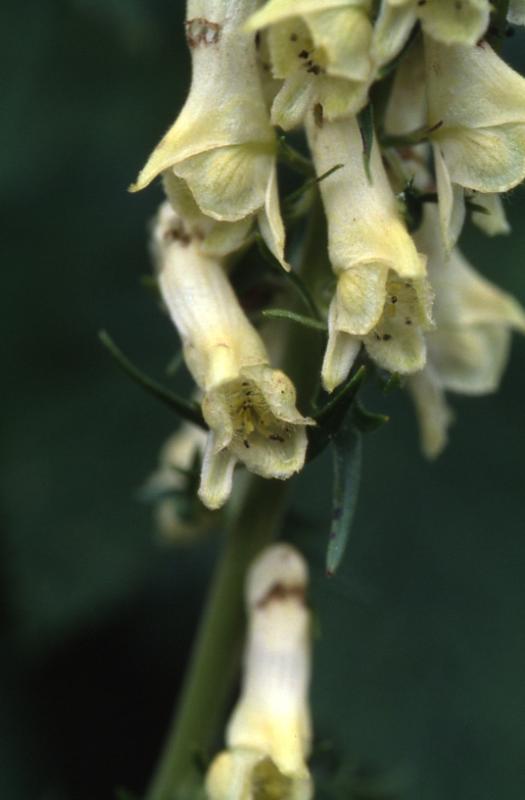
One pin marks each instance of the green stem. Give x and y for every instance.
(214, 661)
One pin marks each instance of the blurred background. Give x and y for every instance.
(420, 652)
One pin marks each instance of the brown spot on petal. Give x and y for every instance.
(201, 31)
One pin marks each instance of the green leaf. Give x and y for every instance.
(299, 202)
(293, 278)
(293, 158)
(367, 421)
(331, 416)
(365, 119)
(392, 383)
(186, 409)
(283, 313)
(347, 460)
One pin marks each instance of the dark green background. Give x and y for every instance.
(420, 659)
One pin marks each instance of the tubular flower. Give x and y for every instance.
(476, 110)
(248, 406)
(447, 21)
(468, 350)
(321, 52)
(268, 736)
(178, 516)
(220, 152)
(382, 298)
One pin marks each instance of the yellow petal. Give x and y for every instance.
(433, 413)
(229, 183)
(391, 31)
(451, 202)
(451, 22)
(494, 221)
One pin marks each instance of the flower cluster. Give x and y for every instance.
(446, 138)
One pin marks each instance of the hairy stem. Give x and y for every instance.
(216, 651)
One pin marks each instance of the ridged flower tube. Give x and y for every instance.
(468, 350)
(446, 21)
(222, 147)
(476, 110)
(268, 737)
(382, 298)
(321, 52)
(248, 406)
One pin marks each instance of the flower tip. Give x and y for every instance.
(279, 566)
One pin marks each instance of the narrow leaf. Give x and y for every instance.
(347, 460)
(184, 408)
(331, 416)
(293, 278)
(293, 158)
(367, 421)
(283, 313)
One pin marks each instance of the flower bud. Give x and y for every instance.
(269, 734)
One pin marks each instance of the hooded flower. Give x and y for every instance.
(219, 155)
(447, 21)
(476, 109)
(382, 298)
(269, 734)
(180, 517)
(248, 406)
(320, 49)
(468, 350)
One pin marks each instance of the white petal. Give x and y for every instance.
(216, 476)
(451, 202)
(391, 31)
(433, 414)
(271, 223)
(340, 354)
(494, 221)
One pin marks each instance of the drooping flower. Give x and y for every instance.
(179, 516)
(447, 21)
(321, 52)
(468, 350)
(248, 406)
(382, 298)
(476, 112)
(220, 152)
(268, 737)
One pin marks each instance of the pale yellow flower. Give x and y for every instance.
(321, 52)
(178, 455)
(469, 348)
(447, 21)
(516, 13)
(476, 111)
(382, 299)
(220, 152)
(268, 737)
(248, 406)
